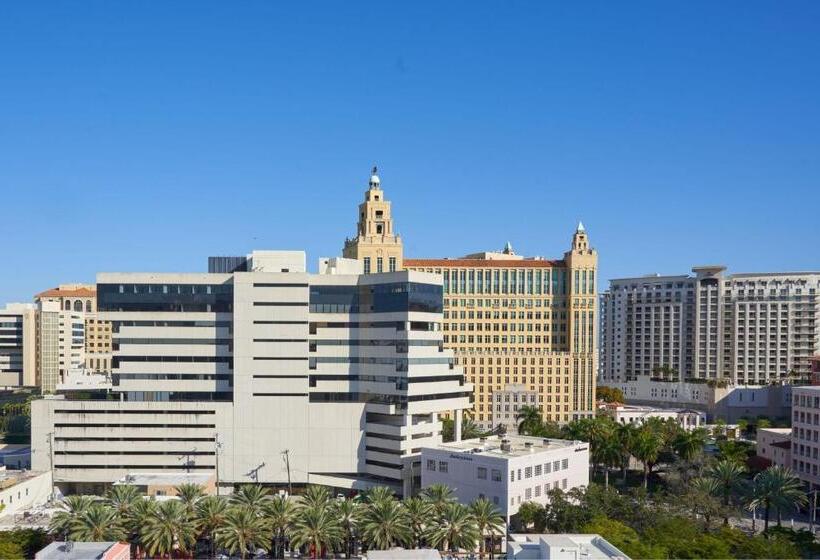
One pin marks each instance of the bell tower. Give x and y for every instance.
(376, 243)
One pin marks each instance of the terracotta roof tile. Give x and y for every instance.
(56, 292)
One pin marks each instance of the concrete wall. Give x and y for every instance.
(28, 493)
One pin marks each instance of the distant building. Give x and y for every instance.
(744, 329)
(165, 484)
(687, 419)
(76, 299)
(20, 490)
(15, 455)
(774, 445)
(18, 346)
(508, 471)
(62, 550)
(564, 546)
(805, 438)
(60, 344)
(508, 402)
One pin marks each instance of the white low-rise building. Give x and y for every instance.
(775, 445)
(688, 419)
(508, 470)
(20, 490)
(562, 547)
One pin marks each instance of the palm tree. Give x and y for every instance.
(379, 494)
(489, 522)
(317, 528)
(728, 475)
(705, 488)
(280, 513)
(439, 496)
(689, 444)
(386, 524)
(72, 508)
(646, 448)
(168, 529)
(137, 517)
(776, 487)
(608, 453)
(252, 497)
(529, 420)
(348, 512)
(98, 522)
(122, 498)
(210, 515)
(625, 435)
(455, 528)
(315, 496)
(419, 513)
(469, 429)
(243, 531)
(189, 494)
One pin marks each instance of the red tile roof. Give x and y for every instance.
(57, 292)
(481, 263)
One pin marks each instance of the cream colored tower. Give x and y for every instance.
(376, 243)
(582, 262)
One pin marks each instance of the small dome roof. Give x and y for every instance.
(374, 178)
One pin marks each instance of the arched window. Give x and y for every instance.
(67, 305)
(88, 306)
(78, 305)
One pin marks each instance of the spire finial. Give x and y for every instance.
(375, 170)
(580, 227)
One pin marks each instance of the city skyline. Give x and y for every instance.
(136, 139)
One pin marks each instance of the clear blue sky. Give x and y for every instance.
(145, 136)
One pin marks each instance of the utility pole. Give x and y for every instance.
(217, 447)
(286, 455)
(51, 460)
(813, 510)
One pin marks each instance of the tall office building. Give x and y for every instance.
(510, 319)
(376, 243)
(273, 376)
(82, 298)
(18, 346)
(60, 344)
(746, 329)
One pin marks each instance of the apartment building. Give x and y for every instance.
(18, 346)
(742, 329)
(507, 470)
(508, 318)
(60, 344)
(82, 298)
(805, 438)
(273, 376)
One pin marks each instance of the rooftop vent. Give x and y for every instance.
(482, 439)
(505, 445)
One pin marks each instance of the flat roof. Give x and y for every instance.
(484, 263)
(404, 554)
(519, 446)
(60, 550)
(590, 546)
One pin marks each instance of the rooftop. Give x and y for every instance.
(404, 554)
(10, 478)
(589, 547)
(71, 290)
(518, 445)
(484, 263)
(61, 550)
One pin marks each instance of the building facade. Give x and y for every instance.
(82, 298)
(18, 346)
(60, 344)
(805, 439)
(508, 402)
(273, 376)
(747, 329)
(774, 445)
(510, 320)
(376, 243)
(506, 470)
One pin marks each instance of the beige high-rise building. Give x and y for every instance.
(80, 301)
(511, 320)
(376, 243)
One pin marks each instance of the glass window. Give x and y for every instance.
(431, 465)
(367, 265)
(482, 473)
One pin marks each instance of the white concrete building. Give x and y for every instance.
(508, 401)
(21, 490)
(564, 546)
(508, 470)
(269, 376)
(747, 329)
(775, 444)
(18, 346)
(687, 419)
